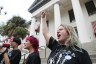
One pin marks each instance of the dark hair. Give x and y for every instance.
(35, 44)
(17, 40)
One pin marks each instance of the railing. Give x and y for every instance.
(43, 48)
(24, 58)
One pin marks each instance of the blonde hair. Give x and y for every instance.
(72, 37)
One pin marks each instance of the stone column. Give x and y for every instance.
(57, 17)
(42, 42)
(32, 26)
(84, 27)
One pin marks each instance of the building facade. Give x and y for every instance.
(81, 14)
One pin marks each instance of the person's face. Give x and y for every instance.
(62, 34)
(27, 44)
(13, 44)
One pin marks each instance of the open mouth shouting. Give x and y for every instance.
(58, 35)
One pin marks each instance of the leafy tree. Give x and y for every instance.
(2, 24)
(17, 27)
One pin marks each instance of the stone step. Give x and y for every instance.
(43, 60)
(93, 58)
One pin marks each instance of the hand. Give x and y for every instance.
(2, 50)
(43, 15)
(21, 46)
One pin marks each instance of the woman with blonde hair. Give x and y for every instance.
(67, 49)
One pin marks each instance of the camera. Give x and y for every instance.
(4, 45)
(5, 42)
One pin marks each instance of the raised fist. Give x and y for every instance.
(43, 15)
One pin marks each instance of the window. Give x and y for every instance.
(94, 27)
(76, 30)
(47, 23)
(91, 9)
(71, 15)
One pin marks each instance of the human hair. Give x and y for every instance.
(34, 41)
(72, 40)
(17, 40)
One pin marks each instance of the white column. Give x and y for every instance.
(42, 41)
(32, 26)
(57, 17)
(83, 26)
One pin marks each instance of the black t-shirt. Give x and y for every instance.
(15, 56)
(1, 58)
(60, 54)
(33, 58)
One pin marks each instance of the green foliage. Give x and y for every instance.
(1, 27)
(16, 27)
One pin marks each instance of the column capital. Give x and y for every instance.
(33, 17)
(58, 2)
